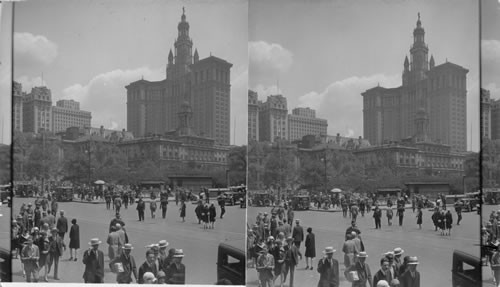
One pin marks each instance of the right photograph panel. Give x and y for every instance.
(364, 137)
(490, 144)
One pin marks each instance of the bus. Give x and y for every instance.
(491, 195)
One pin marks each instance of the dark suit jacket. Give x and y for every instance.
(298, 233)
(176, 275)
(62, 224)
(329, 273)
(364, 274)
(129, 268)
(407, 281)
(93, 265)
(292, 255)
(56, 246)
(380, 276)
(145, 268)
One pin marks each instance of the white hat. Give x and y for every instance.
(148, 276)
(329, 250)
(383, 283)
(398, 251)
(94, 241)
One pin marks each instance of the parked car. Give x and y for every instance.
(5, 265)
(231, 263)
(466, 269)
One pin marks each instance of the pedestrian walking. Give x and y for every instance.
(182, 211)
(152, 207)
(29, 257)
(310, 244)
(148, 266)
(205, 215)
(113, 242)
(176, 271)
(107, 198)
(124, 266)
(389, 213)
(93, 258)
(212, 212)
(354, 212)
(125, 199)
(359, 273)
(328, 268)
(292, 257)
(117, 203)
(458, 209)
(265, 267)
(141, 206)
(297, 233)
(401, 213)
(43, 244)
(398, 262)
(74, 239)
(279, 261)
(62, 224)
(53, 207)
(448, 219)
(163, 203)
(377, 215)
(411, 277)
(222, 204)
(419, 218)
(349, 249)
(56, 250)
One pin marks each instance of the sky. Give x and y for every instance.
(490, 47)
(90, 50)
(5, 72)
(329, 52)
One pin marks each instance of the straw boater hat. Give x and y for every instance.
(54, 229)
(270, 238)
(398, 251)
(362, 254)
(94, 241)
(179, 253)
(162, 244)
(413, 260)
(149, 276)
(329, 250)
(389, 254)
(383, 283)
(128, 246)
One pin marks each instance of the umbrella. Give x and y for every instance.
(336, 190)
(99, 182)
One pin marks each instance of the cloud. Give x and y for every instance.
(33, 50)
(269, 58)
(490, 51)
(30, 82)
(239, 106)
(494, 90)
(341, 102)
(106, 97)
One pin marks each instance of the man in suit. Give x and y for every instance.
(363, 271)
(398, 260)
(411, 277)
(93, 258)
(383, 273)
(116, 220)
(328, 269)
(297, 233)
(148, 266)
(30, 255)
(62, 224)
(176, 271)
(56, 250)
(124, 266)
(292, 257)
(163, 255)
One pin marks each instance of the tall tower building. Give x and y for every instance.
(303, 122)
(253, 116)
(389, 113)
(67, 113)
(485, 114)
(273, 123)
(495, 119)
(17, 100)
(37, 110)
(152, 107)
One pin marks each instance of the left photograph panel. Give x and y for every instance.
(129, 141)
(5, 140)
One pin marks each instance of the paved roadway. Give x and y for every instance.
(487, 275)
(199, 245)
(5, 226)
(433, 250)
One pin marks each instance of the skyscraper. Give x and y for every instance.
(273, 123)
(253, 116)
(495, 119)
(17, 106)
(485, 114)
(303, 121)
(36, 113)
(152, 106)
(389, 113)
(67, 113)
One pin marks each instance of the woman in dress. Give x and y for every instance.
(419, 218)
(310, 248)
(212, 212)
(183, 211)
(74, 239)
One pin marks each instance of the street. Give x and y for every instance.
(434, 251)
(199, 245)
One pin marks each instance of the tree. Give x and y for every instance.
(237, 165)
(5, 163)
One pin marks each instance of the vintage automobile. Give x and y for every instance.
(233, 197)
(466, 269)
(301, 202)
(231, 263)
(64, 193)
(261, 199)
(5, 265)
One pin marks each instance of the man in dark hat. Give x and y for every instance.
(297, 233)
(411, 277)
(56, 250)
(62, 224)
(328, 269)
(124, 266)
(93, 258)
(141, 206)
(163, 203)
